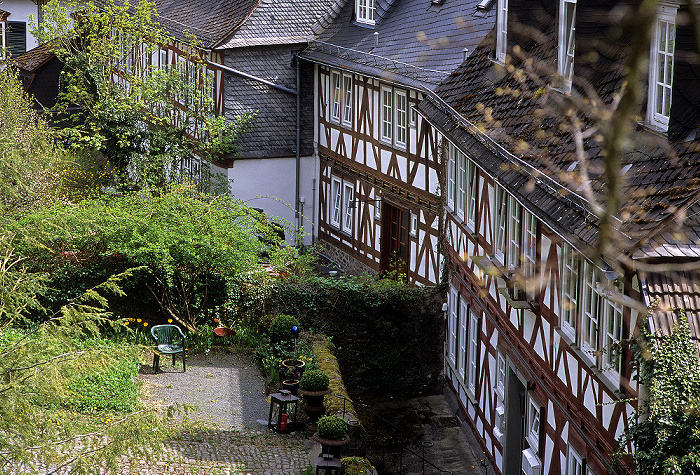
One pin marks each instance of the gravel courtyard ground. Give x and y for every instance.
(230, 393)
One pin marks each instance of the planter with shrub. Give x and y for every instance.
(332, 434)
(314, 386)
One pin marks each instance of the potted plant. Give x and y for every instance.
(331, 433)
(313, 385)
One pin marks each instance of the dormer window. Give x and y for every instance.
(364, 11)
(501, 30)
(567, 30)
(661, 67)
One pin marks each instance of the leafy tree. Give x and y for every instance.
(29, 160)
(53, 414)
(138, 114)
(189, 243)
(666, 433)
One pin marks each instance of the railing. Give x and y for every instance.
(427, 466)
(431, 76)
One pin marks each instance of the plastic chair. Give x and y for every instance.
(166, 337)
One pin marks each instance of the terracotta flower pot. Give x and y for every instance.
(330, 446)
(292, 385)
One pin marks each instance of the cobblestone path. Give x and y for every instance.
(230, 393)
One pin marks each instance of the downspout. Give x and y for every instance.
(237, 72)
(297, 204)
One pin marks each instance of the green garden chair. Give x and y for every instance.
(169, 341)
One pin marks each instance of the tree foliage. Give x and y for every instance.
(138, 114)
(666, 433)
(187, 242)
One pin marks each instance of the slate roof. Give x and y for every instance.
(284, 22)
(520, 119)
(674, 291)
(33, 59)
(418, 42)
(208, 20)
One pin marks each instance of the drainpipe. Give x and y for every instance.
(297, 204)
(237, 72)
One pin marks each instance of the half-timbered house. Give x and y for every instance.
(379, 182)
(536, 317)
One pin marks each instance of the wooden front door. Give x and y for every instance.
(394, 252)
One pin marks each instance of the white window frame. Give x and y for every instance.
(347, 100)
(500, 394)
(451, 179)
(461, 185)
(533, 423)
(401, 118)
(452, 326)
(502, 30)
(364, 11)
(471, 199)
(570, 265)
(387, 114)
(567, 41)
(473, 350)
(575, 465)
(514, 231)
(590, 318)
(348, 195)
(335, 202)
(335, 96)
(3, 39)
(529, 251)
(463, 355)
(378, 208)
(413, 117)
(612, 335)
(500, 225)
(659, 103)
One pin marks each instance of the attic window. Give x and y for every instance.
(364, 11)
(437, 2)
(501, 30)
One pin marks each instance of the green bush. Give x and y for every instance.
(355, 466)
(314, 380)
(332, 427)
(281, 328)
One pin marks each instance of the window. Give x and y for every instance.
(401, 118)
(612, 317)
(472, 190)
(501, 218)
(211, 85)
(365, 11)
(574, 463)
(569, 266)
(567, 33)
(348, 192)
(514, 233)
(451, 176)
(463, 348)
(473, 352)
(387, 114)
(502, 30)
(461, 194)
(532, 428)
(589, 311)
(452, 326)
(347, 100)
(335, 96)
(500, 394)
(16, 38)
(529, 264)
(335, 202)
(661, 67)
(501, 375)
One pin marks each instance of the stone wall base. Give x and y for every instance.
(347, 263)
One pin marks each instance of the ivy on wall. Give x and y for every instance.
(389, 336)
(666, 434)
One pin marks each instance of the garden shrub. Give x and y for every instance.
(332, 427)
(314, 380)
(355, 466)
(281, 328)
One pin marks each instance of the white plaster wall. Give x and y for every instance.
(269, 184)
(20, 11)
